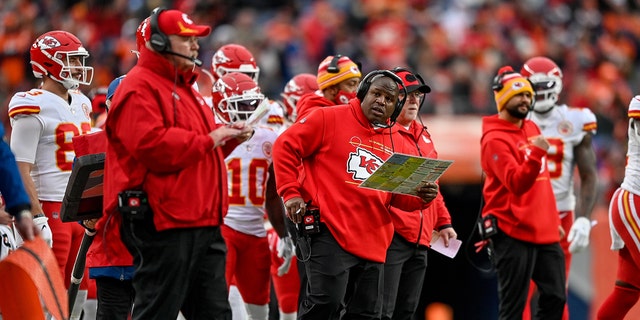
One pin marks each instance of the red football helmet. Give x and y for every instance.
(235, 97)
(61, 56)
(143, 33)
(546, 77)
(296, 87)
(234, 58)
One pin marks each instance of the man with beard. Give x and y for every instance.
(520, 220)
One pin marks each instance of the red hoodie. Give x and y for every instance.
(417, 226)
(158, 141)
(341, 149)
(310, 102)
(517, 189)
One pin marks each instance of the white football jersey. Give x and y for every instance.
(60, 122)
(248, 167)
(564, 127)
(274, 118)
(631, 179)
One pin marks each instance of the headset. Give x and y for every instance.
(160, 41)
(333, 65)
(364, 85)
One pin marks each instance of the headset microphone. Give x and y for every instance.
(197, 61)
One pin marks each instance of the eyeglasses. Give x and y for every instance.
(416, 94)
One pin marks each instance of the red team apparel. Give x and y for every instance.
(248, 255)
(311, 101)
(346, 151)
(512, 194)
(179, 143)
(437, 214)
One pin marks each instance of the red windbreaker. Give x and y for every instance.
(158, 141)
(417, 226)
(339, 149)
(106, 250)
(517, 189)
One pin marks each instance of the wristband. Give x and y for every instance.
(444, 226)
(39, 215)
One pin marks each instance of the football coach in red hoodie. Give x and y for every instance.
(520, 218)
(339, 147)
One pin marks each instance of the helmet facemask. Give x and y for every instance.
(60, 56)
(547, 89)
(240, 108)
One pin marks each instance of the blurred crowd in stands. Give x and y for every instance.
(457, 45)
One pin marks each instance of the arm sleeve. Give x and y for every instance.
(24, 138)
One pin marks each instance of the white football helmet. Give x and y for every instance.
(546, 77)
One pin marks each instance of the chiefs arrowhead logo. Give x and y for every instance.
(363, 164)
(48, 42)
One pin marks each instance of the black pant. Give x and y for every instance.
(177, 270)
(115, 298)
(517, 263)
(340, 283)
(404, 272)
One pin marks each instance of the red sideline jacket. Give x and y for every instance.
(340, 149)
(107, 249)
(517, 189)
(158, 141)
(417, 226)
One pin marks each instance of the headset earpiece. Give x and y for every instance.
(364, 85)
(333, 65)
(158, 40)
(533, 98)
(497, 83)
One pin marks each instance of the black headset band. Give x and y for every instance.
(363, 88)
(158, 39)
(333, 65)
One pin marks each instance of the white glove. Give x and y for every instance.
(45, 231)
(579, 235)
(286, 250)
(285, 247)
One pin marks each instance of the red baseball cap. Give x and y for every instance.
(175, 22)
(411, 82)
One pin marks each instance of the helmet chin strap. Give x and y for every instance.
(66, 83)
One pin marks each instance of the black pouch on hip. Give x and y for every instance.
(133, 204)
(488, 226)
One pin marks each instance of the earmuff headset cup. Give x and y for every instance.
(333, 65)
(364, 85)
(159, 41)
